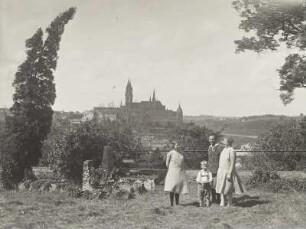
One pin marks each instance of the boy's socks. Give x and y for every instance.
(201, 203)
(207, 202)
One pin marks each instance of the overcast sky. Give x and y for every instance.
(182, 48)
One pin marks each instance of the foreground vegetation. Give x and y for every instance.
(255, 209)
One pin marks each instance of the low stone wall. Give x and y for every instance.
(132, 177)
(42, 185)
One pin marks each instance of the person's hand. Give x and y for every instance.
(229, 177)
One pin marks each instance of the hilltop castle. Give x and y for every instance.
(151, 111)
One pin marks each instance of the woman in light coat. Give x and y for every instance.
(228, 181)
(175, 182)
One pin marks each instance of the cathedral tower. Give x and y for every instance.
(154, 97)
(179, 115)
(128, 94)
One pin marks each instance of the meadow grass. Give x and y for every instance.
(254, 209)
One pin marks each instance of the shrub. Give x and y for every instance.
(27, 184)
(98, 178)
(70, 149)
(193, 137)
(9, 174)
(74, 191)
(270, 181)
(35, 185)
(262, 176)
(10, 160)
(151, 159)
(285, 136)
(285, 185)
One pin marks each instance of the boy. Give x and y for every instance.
(204, 179)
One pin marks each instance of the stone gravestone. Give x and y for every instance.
(86, 183)
(108, 159)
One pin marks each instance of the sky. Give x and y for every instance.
(184, 49)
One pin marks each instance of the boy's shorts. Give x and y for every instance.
(204, 190)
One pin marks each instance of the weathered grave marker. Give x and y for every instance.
(108, 159)
(86, 183)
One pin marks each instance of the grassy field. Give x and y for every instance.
(254, 209)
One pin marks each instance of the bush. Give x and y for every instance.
(67, 151)
(151, 159)
(9, 174)
(193, 137)
(285, 185)
(284, 136)
(261, 176)
(98, 178)
(35, 185)
(74, 191)
(270, 181)
(10, 160)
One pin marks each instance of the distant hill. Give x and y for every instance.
(243, 129)
(250, 125)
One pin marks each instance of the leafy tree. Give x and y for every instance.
(193, 137)
(35, 93)
(275, 22)
(282, 137)
(303, 127)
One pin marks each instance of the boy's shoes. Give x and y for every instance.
(204, 204)
(201, 204)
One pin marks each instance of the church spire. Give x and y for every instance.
(154, 97)
(128, 94)
(179, 115)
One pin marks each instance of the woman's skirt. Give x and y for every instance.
(176, 181)
(225, 186)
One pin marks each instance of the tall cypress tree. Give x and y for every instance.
(35, 92)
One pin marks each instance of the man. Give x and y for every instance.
(214, 151)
